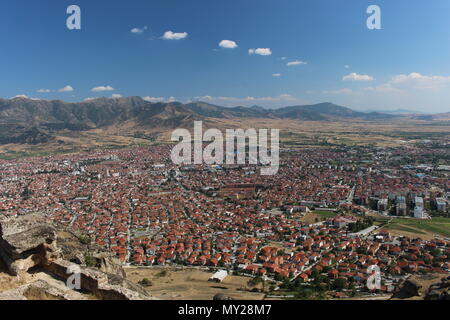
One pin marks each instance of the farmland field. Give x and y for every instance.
(317, 216)
(426, 229)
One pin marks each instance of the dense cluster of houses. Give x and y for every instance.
(150, 212)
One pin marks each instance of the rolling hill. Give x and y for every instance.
(31, 121)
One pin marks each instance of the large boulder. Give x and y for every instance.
(108, 264)
(74, 250)
(41, 290)
(26, 242)
(31, 241)
(439, 291)
(408, 289)
(102, 285)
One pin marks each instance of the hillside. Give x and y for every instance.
(36, 121)
(38, 257)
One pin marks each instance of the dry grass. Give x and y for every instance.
(317, 216)
(190, 284)
(425, 281)
(8, 282)
(293, 134)
(417, 228)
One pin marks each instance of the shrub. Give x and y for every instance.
(90, 261)
(84, 239)
(146, 282)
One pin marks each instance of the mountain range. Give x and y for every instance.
(31, 121)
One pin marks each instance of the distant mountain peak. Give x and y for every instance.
(22, 114)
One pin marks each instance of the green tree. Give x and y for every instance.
(146, 282)
(338, 284)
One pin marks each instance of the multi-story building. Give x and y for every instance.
(382, 204)
(401, 206)
(441, 205)
(418, 209)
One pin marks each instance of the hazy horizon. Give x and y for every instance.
(394, 110)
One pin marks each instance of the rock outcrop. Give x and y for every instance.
(102, 285)
(408, 289)
(439, 291)
(29, 243)
(73, 250)
(41, 290)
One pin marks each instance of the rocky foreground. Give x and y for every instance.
(40, 259)
(424, 287)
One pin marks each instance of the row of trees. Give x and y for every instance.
(367, 222)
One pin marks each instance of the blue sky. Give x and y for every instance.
(333, 55)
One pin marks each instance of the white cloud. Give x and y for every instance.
(383, 88)
(159, 99)
(415, 91)
(347, 66)
(228, 44)
(89, 99)
(116, 96)
(66, 89)
(20, 96)
(268, 101)
(277, 75)
(102, 88)
(411, 81)
(43, 90)
(153, 99)
(339, 91)
(357, 77)
(295, 63)
(169, 35)
(409, 77)
(139, 30)
(420, 81)
(23, 96)
(260, 51)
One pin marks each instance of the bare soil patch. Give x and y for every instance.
(190, 284)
